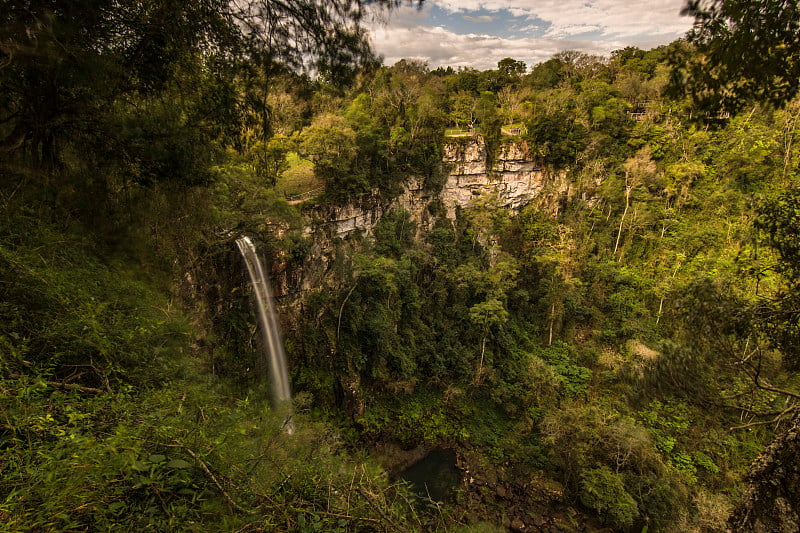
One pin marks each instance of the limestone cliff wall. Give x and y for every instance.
(515, 177)
(772, 500)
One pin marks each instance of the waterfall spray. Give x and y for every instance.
(273, 343)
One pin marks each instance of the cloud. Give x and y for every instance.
(572, 17)
(441, 47)
(482, 18)
(591, 26)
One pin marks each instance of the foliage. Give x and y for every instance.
(601, 340)
(574, 378)
(603, 490)
(742, 51)
(557, 138)
(779, 219)
(68, 315)
(186, 455)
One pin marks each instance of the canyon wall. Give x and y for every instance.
(514, 177)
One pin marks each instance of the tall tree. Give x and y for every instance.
(742, 50)
(66, 64)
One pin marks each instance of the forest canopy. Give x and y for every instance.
(742, 52)
(609, 352)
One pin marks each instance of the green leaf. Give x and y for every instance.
(179, 463)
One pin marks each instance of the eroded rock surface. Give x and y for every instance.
(772, 499)
(515, 177)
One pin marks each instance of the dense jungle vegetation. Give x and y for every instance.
(612, 356)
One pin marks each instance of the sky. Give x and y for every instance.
(479, 33)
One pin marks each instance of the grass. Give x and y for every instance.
(508, 127)
(452, 132)
(299, 178)
(459, 132)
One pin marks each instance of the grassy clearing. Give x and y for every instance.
(299, 178)
(514, 130)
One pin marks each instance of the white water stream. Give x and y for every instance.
(273, 343)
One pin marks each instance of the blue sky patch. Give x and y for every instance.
(500, 23)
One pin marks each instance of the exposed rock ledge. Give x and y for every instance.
(515, 177)
(772, 500)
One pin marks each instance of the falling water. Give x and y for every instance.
(273, 343)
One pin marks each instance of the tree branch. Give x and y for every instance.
(791, 409)
(213, 479)
(380, 511)
(66, 386)
(341, 309)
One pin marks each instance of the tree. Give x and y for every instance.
(637, 169)
(463, 109)
(484, 315)
(271, 157)
(779, 220)
(65, 64)
(511, 68)
(331, 144)
(636, 60)
(742, 50)
(557, 138)
(511, 104)
(547, 75)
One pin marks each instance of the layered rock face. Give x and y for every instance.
(772, 500)
(515, 178)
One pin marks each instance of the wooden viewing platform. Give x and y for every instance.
(295, 199)
(463, 132)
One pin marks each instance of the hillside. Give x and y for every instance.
(581, 310)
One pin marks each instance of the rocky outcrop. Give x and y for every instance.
(515, 177)
(772, 499)
(360, 215)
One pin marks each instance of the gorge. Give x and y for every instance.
(568, 288)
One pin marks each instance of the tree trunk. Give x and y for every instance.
(478, 373)
(660, 307)
(622, 220)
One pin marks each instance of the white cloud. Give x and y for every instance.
(592, 26)
(441, 47)
(482, 18)
(568, 17)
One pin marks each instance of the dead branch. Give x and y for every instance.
(372, 503)
(338, 515)
(341, 309)
(66, 386)
(789, 410)
(214, 479)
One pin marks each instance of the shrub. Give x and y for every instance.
(604, 491)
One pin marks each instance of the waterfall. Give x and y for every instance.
(273, 343)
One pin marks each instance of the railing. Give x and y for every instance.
(514, 130)
(302, 197)
(459, 132)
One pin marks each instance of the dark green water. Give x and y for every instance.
(434, 476)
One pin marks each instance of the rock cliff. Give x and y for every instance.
(515, 177)
(772, 499)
